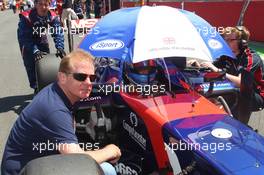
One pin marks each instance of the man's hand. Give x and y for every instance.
(38, 55)
(60, 53)
(113, 152)
(193, 63)
(210, 66)
(109, 153)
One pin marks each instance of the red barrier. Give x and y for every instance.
(223, 14)
(253, 20)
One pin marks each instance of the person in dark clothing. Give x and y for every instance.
(77, 7)
(2, 5)
(246, 72)
(32, 36)
(67, 12)
(97, 8)
(67, 4)
(47, 127)
(21, 6)
(88, 8)
(115, 5)
(13, 6)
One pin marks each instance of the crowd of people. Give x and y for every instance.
(82, 8)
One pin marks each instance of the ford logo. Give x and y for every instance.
(108, 44)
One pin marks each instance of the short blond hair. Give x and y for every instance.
(78, 55)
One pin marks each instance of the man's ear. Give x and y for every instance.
(62, 77)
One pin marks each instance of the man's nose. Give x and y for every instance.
(88, 80)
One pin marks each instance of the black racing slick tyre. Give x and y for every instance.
(67, 164)
(46, 70)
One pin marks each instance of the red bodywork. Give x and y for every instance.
(156, 111)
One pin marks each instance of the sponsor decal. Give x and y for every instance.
(218, 86)
(83, 23)
(137, 137)
(108, 44)
(133, 119)
(169, 40)
(214, 44)
(221, 133)
(92, 98)
(133, 169)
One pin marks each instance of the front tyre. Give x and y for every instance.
(70, 164)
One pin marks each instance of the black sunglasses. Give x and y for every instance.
(82, 76)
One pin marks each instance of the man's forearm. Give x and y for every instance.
(98, 155)
(235, 79)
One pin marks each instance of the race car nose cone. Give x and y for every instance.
(221, 133)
